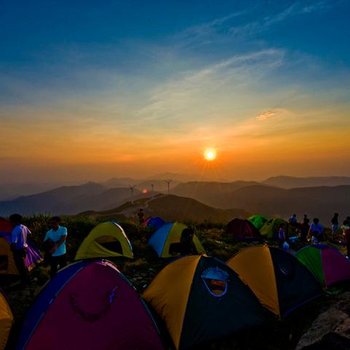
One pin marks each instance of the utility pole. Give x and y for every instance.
(168, 182)
(152, 186)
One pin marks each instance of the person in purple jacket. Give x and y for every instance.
(19, 246)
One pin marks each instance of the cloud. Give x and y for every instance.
(266, 115)
(240, 23)
(202, 93)
(274, 113)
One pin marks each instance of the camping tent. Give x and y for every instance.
(242, 230)
(5, 227)
(201, 299)
(168, 234)
(271, 227)
(7, 263)
(326, 263)
(107, 239)
(89, 305)
(257, 220)
(6, 320)
(154, 223)
(277, 278)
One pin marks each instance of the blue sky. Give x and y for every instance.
(163, 77)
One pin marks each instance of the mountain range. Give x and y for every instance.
(278, 199)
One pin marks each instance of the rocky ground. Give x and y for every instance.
(322, 324)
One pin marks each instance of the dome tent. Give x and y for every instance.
(169, 234)
(154, 223)
(271, 227)
(326, 263)
(200, 299)
(105, 240)
(94, 307)
(242, 230)
(257, 220)
(6, 320)
(277, 278)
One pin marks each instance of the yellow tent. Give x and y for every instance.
(200, 299)
(6, 320)
(107, 239)
(7, 263)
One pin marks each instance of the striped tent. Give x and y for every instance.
(278, 279)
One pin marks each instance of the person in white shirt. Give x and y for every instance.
(57, 235)
(19, 246)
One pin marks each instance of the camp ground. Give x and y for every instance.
(200, 299)
(106, 240)
(278, 279)
(6, 320)
(89, 305)
(326, 263)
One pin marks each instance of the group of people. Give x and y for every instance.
(314, 232)
(54, 244)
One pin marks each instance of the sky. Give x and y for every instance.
(91, 90)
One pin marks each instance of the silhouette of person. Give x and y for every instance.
(141, 216)
(335, 224)
(293, 220)
(316, 231)
(304, 228)
(186, 245)
(282, 235)
(19, 246)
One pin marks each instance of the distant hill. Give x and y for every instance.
(319, 202)
(215, 194)
(68, 200)
(9, 191)
(294, 182)
(173, 208)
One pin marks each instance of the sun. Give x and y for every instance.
(209, 154)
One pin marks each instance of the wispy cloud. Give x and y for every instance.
(266, 115)
(296, 8)
(199, 94)
(247, 22)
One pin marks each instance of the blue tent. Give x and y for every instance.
(169, 234)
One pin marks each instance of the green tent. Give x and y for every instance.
(271, 227)
(258, 221)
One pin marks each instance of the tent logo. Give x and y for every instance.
(216, 281)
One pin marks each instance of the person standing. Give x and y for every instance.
(304, 228)
(141, 216)
(335, 224)
(282, 235)
(57, 235)
(19, 246)
(316, 231)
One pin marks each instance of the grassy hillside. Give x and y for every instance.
(172, 208)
